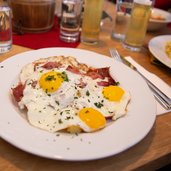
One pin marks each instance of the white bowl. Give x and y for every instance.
(159, 19)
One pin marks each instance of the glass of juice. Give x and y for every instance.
(91, 21)
(137, 26)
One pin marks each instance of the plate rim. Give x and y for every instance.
(153, 51)
(161, 21)
(7, 138)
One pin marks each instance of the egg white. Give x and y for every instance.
(54, 111)
(91, 96)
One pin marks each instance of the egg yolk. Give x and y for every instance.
(113, 93)
(93, 118)
(51, 81)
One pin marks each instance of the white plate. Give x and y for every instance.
(157, 24)
(159, 13)
(157, 48)
(115, 138)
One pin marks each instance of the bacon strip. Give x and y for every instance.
(102, 73)
(18, 92)
(73, 69)
(82, 84)
(51, 65)
(103, 83)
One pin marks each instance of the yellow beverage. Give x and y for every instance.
(91, 21)
(138, 25)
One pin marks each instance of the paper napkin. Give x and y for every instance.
(159, 83)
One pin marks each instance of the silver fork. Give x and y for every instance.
(160, 97)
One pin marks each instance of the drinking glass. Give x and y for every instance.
(91, 21)
(122, 15)
(5, 28)
(137, 27)
(70, 20)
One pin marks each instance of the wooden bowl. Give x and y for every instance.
(33, 15)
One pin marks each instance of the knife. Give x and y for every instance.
(162, 98)
(165, 101)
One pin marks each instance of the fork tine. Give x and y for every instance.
(114, 53)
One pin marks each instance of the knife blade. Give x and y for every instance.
(165, 100)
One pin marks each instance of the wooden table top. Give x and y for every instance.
(153, 152)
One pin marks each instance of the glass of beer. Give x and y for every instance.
(91, 21)
(137, 26)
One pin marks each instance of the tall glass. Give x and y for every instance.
(91, 21)
(70, 20)
(137, 27)
(5, 27)
(123, 12)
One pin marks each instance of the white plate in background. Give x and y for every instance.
(157, 48)
(160, 18)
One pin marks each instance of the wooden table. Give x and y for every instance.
(153, 152)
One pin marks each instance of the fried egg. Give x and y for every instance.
(111, 101)
(57, 99)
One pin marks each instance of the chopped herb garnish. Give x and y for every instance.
(87, 93)
(67, 110)
(60, 121)
(76, 134)
(98, 105)
(57, 102)
(50, 78)
(67, 118)
(65, 76)
(117, 83)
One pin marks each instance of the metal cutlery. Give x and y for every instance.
(158, 94)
